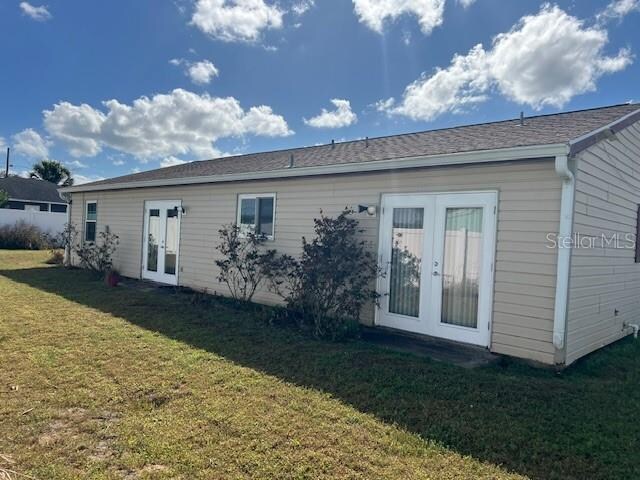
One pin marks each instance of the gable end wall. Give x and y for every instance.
(605, 278)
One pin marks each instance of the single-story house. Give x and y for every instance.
(32, 194)
(35, 202)
(514, 235)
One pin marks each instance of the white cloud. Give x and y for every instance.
(176, 123)
(30, 144)
(449, 89)
(202, 72)
(548, 58)
(384, 105)
(78, 126)
(545, 59)
(618, 9)
(342, 116)
(374, 13)
(40, 14)
(466, 3)
(118, 162)
(76, 164)
(302, 6)
(80, 179)
(171, 161)
(236, 20)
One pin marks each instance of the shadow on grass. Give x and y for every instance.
(574, 425)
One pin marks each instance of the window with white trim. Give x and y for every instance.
(90, 221)
(257, 213)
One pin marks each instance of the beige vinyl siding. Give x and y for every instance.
(529, 202)
(604, 279)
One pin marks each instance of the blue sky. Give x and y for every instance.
(114, 87)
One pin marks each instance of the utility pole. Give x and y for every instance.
(6, 170)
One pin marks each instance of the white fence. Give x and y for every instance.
(47, 221)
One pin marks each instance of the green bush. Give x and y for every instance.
(98, 256)
(24, 236)
(242, 266)
(331, 281)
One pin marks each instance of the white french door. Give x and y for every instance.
(161, 242)
(437, 252)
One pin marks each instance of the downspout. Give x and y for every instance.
(67, 248)
(564, 250)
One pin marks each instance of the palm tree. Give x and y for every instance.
(53, 172)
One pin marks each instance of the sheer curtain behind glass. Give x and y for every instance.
(153, 240)
(171, 242)
(461, 266)
(407, 238)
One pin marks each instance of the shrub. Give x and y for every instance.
(56, 258)
(333, 279)
(23, 235)
(98, 256)
(242, 267)
(4, 198)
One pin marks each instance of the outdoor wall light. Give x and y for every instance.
(370, 209)
(182, 210)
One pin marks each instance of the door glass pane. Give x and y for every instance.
(406, 259)
(266, 216)
(153, 240)
(171, 242)
(461, 266)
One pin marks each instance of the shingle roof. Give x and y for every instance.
(31, 189)
(538, 130)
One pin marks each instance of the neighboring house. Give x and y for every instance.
(465, 222)
(32, 194)
(33, 201)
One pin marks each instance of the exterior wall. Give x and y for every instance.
(525, 270)
(606, 278)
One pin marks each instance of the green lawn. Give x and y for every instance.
(120, 383)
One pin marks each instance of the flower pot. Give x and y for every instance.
(112, 278)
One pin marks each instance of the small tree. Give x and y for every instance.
(242, 267)
(333, 278)
(4, 198)
(98, 256)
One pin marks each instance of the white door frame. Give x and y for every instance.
(428, 322)
(482, 334)
(393, 320)
(160, 276)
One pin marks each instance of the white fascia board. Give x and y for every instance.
(629, 117)
(478, 156)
